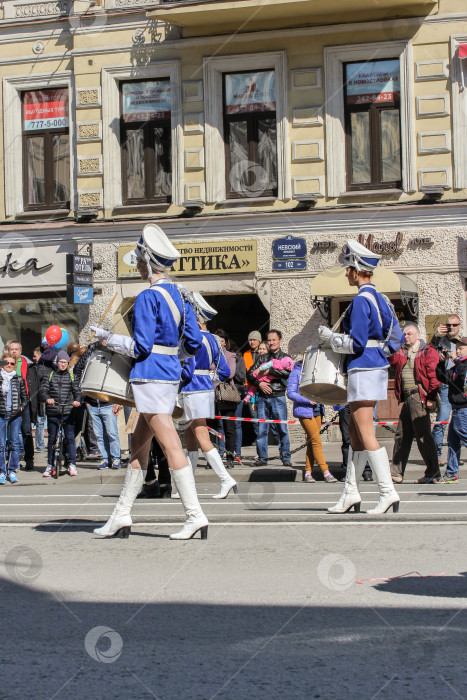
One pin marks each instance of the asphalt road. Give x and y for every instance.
(259, 610)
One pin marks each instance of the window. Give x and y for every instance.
(372, 124)
(250, 134)
(146, 142)
(46, 149)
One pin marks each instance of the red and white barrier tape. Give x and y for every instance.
(291, 422)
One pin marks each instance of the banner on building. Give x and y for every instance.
(372, 81)
(215, 258)
(146, 100)
(45, 109)
(250, 92)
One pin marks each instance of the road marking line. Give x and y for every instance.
(279, 523)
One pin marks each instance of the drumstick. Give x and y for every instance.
(103, 316)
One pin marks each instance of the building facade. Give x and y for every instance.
(258, 136)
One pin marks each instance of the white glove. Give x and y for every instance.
(342, 343)
(324, 333)
(100, 332)
(123, 344)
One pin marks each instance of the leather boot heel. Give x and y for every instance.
(235, 489)
(123, 533)
(356, 508)
(395, 507)
(204, 532)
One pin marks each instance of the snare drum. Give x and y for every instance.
(322, 379)
(107, 378)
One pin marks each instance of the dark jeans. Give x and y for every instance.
(443, 415)
(26, 430)
(414, 422)
(13, 427)
(273, 408)
(228, 409)
(69, 430)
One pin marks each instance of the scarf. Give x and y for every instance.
(6, 380)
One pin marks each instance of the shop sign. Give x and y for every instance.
(321, 245)
(288, 247)
(32, 264)
(216, 258)
(250, 92)
(83, 295)
(83, 279)
(372, 81)
(45, 109)
(281, 265)
(82, 264)
(421, 241)
(383, 247)
(143, 101)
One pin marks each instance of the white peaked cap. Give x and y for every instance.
(156, 247)
(204, 311)
(356, 255)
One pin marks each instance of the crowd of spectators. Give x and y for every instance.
(430, 379)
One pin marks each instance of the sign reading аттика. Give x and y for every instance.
(215, 258)
(288, 247)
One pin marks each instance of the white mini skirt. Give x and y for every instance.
(367, 385)
(199, 405)
(154, 397)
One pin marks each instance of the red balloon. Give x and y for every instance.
(53, 334)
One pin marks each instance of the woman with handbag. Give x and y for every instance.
(198, 397)
(228, 398)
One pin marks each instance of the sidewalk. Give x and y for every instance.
(88, 472)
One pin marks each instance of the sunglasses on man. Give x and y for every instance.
(452, 325)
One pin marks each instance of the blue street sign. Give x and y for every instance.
(280, 265)
(83, 295)
(288, 247)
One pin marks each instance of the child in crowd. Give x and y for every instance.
(61, 394)
(262, 373)
(13, 399)
(456, 379)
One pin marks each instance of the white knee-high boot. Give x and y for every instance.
(119, 523)
(193, 456)
(350, 497)
(227, 483)
(196, 520)
(388, 496)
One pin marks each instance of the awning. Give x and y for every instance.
(333, 283)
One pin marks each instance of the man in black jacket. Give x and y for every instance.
(61, 394)
(272, 402)
(444, 341)
(456, 379)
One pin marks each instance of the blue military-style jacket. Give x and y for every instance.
(196, 371)
(163, 325)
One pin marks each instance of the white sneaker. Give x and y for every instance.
(72, 470)
(48, 471)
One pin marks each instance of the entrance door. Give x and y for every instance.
(238, 315)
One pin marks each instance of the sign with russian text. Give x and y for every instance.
(372, 81)
(45, 109)
(288, 247)
(250, 92)
(146, 100)
(215, 258)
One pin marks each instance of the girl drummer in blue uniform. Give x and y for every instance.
(370, 328)
(198, 397)
(165, 330)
